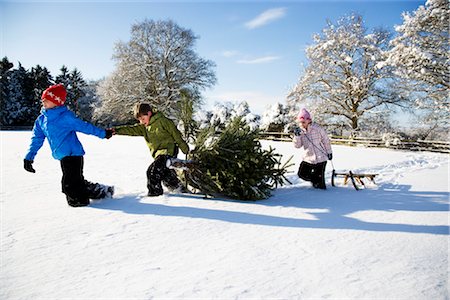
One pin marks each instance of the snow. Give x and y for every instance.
(387, 241)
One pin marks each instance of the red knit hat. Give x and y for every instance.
(56, 94)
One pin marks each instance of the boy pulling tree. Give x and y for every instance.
(163, 139)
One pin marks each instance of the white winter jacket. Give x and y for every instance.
(316, 143)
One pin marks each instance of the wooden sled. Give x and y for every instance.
(355, 178)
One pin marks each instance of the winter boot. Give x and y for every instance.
(98, 191)
(73, 202)
(109, 192)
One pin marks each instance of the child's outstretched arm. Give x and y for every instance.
(37, 140)
(85, 127)
(134, 130)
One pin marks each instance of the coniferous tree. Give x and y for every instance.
(234, 163)
(17, 105)
(187, 104)
(5, 73)
(64, 79)
(74, 83)
(77, 88)
(41, 79)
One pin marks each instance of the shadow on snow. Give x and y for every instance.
(337, 202)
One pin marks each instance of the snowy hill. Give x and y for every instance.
(388, 241)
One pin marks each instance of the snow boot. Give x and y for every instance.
(73, 202)
(109, 192)
(99, 191)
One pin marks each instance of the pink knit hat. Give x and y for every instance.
(303, 115)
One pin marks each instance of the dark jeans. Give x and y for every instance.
(158, 173)
(78, 190)
(314, 173)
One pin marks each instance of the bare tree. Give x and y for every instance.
(156, 64)
(346, 77)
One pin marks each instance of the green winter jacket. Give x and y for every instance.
(161, 135)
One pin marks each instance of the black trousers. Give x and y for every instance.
(158, 173)
(78, 191)
(314, 173)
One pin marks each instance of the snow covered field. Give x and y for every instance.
(389, 241)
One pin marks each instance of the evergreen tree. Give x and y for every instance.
(41, 79)
(5, 73)
(74, 83)
(234, 164)
(186, 109)
(17, 105)
(77, 88)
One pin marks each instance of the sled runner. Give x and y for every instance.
(355, 178)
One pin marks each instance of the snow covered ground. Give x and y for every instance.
(388, 241)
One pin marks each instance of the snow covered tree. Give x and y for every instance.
(234, 164)
(275, 118)
(185, 114)
(224, 113)
(420, 55)
(88, 101)
(116, 100)
(345, 77)
(154, 66)
(18, 98)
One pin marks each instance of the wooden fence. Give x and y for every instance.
(419, 145)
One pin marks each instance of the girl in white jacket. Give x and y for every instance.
(317, 146)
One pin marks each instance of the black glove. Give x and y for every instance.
(109, 132)
(330, 156)
(297, 131)
(28, 165)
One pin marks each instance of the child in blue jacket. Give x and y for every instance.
(59, 125)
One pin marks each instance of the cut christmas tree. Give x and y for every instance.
(234, 164)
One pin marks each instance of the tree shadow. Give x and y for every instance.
(335, 205)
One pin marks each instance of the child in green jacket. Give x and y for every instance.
(163, 139)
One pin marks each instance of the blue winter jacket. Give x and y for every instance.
(59, 125)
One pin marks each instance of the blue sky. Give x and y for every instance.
(258, 46)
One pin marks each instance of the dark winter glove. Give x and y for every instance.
(109, 133)
(297, 131)
(28, 165)
(330, 156)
